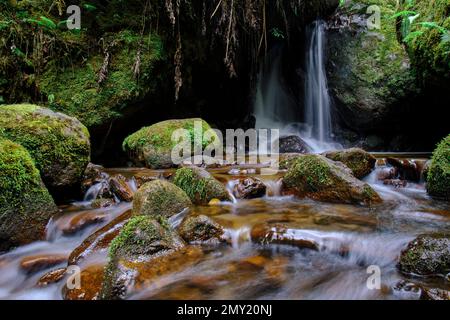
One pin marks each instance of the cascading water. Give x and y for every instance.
(317, 99)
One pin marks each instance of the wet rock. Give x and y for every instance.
(82, 221)
(293, 144)
(280, 234)
(58, 144)
(25, 204)
(426, 255)
(407, 290)
(200, 229)
(33, 264)
(93, 174)
(51, 277)
(141, 240)
(120, 188)
(287, 159)
(438, 178)
(249, 188)
(102, 203)
(387, 173)
(322, 179)
(359, 161)
(152, 146)
(160, 198)
(397, 183)
(144, 177)
(425, 170)
(407, 169)
(99, 241)
(435, 294)
(200, 185)
(91, 279)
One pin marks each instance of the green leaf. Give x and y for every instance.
(405, 13)
(89, 7)
(433, 25)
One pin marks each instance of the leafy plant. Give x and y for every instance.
(43, 22)
(277, 33)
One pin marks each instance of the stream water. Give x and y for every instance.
(347, 240)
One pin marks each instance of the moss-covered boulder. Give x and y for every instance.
(200, 229)
(200, 185)
(152, 146)
(160, 198)
(359, 161)
(322, 179)
(438, 174)
(25, 204)
(426, 255)
(369, 70)
(58, 144)
(142, 239)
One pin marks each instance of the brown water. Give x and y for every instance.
(278, 247)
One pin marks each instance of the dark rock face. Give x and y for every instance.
(406, 169)
(249, 188)
(320, 178)
(426, 255)
(359, 161)
(200, 229)
(293, 144)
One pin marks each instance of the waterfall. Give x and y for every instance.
(317, 99)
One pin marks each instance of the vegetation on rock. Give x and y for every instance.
(359, 161)
(25, 204)
(59, 144)
(438, 174)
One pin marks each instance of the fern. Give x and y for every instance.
(405, 13)
(43, 22)
(412, 36)
(433, 25)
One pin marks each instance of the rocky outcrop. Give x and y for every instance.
(58, 144)
(319, 178)
(293, 144)
(160, 198)
(25, 203)
(200, 185)
(438, 174)
(426, 255)
(359, 161)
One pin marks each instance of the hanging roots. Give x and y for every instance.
(178, 63)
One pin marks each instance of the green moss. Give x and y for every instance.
(199, 185)
(159, 198)
(75, 89)
(56, 142)
(310, 169)
(438, 178)
(25, 203)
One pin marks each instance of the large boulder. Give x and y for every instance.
(438, 175)
(200, 185)
(152, 146)
(359, 161)
(25, 204)
(58, 144)
(426, 255)
(160, 198)
(322, 179)
(293, 144)
(369, 71)
(142, 239)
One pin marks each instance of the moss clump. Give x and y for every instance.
(199, 185)
(359, 161)
(75, 90)
(159, 198)
(153, 145)
(438, 177)
(426, 255)
(59, 144)
(321, 179)
(25, 204)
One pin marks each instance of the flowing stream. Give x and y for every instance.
(314, 251)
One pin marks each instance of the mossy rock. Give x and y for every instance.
(152, 146)
(160, 198)
(322, 179)
(141, 239)
(359, 161)
(369, 70)
(426, 255)
(200, 229)
(200, 185)
(438, 175)
(25, 203)
(59, 144)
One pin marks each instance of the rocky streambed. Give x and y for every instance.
(256, 242)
